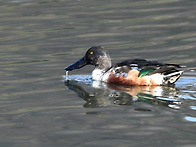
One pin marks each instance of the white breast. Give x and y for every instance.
(100, 75)
(97, 74)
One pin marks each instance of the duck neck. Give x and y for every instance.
(99, 73)
(103, 65)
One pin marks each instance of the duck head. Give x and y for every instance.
(96, 56)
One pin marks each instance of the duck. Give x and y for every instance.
(135, 72)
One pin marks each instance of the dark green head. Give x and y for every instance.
(96, 56)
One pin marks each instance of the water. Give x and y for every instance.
(38, 107)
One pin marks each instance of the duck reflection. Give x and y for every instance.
(98, 94)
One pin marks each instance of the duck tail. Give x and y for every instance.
(172, 77)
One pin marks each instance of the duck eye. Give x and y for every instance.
(91, 53)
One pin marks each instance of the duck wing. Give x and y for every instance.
(149, 68)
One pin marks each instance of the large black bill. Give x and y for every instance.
(78, 64)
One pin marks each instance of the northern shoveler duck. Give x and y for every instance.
(128, 72)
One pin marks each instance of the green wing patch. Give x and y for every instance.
(143, 72)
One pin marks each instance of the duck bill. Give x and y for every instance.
(78, 64)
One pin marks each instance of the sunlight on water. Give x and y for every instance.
(174, 106)
(193, 107)
(191, 119)
(86, 79)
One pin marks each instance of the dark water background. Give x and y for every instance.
(39, 38)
